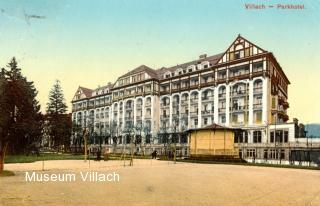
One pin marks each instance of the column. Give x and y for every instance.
(227, 105)
(250, 102)
(216, 105)
(199, 108)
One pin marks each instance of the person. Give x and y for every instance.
(98, 155)
(154, 154)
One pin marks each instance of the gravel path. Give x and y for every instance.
(152, 182)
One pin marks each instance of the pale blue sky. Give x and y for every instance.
(89, 43)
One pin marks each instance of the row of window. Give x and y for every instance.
(278, 136)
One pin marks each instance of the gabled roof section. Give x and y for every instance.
(142, 68)
(87, 92)
(82, 93)
(240, 48)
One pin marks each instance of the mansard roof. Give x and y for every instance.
(213, 60)
(142, 68)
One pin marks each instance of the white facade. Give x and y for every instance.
(240, 88)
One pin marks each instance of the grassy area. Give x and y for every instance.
(54, 156)
(33, 158)
(6, 173)
(250, 164)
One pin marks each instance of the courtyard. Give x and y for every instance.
(154, 182)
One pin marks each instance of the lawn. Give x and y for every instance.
(6, 173)
(55, 156)
(49, 156)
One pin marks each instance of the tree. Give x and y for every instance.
(58, 122)
(56, 104)
(20, 118)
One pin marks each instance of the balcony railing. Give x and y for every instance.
(129, 107)
(238, 108)
(238, 93)
(164, 104)
(164, 116)
(207, 112)
(175, 103)
(184, 101)
(222, 95)
(194, 100)
(257, 90)
(207, 98)
(193, 114)
(257, 106)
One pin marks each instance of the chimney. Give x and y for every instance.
(203, 56)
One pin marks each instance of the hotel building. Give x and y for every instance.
(243, 87)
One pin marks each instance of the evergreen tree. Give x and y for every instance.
(58, 122)
(56, 104)
(20, 117)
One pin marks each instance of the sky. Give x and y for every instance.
(91, 43)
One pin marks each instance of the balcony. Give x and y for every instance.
(207, 83)
(147, 104)
(257, 90)
(238, 108)
(184, 114)
(194, 84)
(193, 114)
(139, 105)
(164, 116)
(207, 98)
(222, 110)
(164, 105)
(221, 79)
(257, 106)
(184, 102)
(222, 95)
(175, 103)
(207, 112)
(194, 101)
(128, 108)
(239, 93)
(147, 116)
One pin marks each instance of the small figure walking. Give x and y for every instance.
(154, 154)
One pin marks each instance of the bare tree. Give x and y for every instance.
(174, 136)
(130, 138)
(138, 135)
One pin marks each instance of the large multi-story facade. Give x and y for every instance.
(243, 87)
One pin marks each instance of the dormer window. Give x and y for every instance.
(237, 55)
(167, 75)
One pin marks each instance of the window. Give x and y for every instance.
(195, 122)
(223, 119)
(205, 121)
(257, 136)
(251, 153)
(273, 103)
(237, 55)
(286, 136)
(271, 137)
(258, 116)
